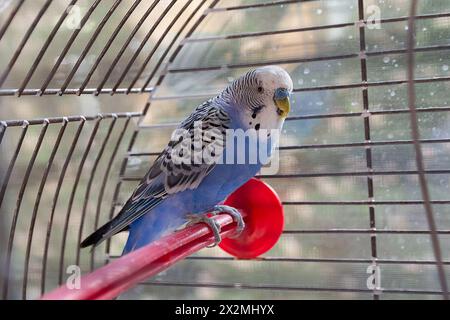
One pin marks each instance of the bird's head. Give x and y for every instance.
(262, 97)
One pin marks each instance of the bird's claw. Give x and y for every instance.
(212, 224)
(234, 213)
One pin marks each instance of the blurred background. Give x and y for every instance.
(330, 204)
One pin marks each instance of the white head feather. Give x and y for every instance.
(253, 94)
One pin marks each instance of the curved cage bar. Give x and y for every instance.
(97, 87)
(115, 278)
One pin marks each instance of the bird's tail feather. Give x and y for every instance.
(96, 237)
(99, 235)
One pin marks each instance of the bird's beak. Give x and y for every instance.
(281, 99)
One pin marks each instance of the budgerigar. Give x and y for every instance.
(183, 187)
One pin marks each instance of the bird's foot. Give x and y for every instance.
(213, 224)
(215, 227)
(234, 213)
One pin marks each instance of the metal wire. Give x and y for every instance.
(19, 203)
(89, 45)
(44, 48)
(36, 205)
(104, 182)
(75, 186)
(327, 174)
(24, 42)
(178, 26)
(147, 37)
(314, 28)
(13, 160)
(304, 60)
(316, 88)
(100, 88)
(109, 44)
(256, 5)
(316, 260)
(10, 18)
(158, 43)
(68, 45)
(365, 98)
(125, 45)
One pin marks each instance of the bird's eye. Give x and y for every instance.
(260, 89)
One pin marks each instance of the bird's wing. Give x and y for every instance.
(172, 172)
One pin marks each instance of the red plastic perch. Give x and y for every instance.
(263, 214)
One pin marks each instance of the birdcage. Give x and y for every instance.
(98, 86)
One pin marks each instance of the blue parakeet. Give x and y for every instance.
(176, 191)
